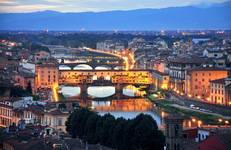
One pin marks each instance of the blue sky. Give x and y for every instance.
(95, 5)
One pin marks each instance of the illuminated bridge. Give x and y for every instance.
(117, 78)
(77, 77)
(111, 62)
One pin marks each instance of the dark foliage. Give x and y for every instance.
(19, 92)
(139, 133)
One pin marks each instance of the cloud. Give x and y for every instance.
(25, 8)
(94, 5)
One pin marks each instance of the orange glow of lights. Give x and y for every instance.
(189, 95)
(54, 90)
(226, 122)
(193, 120)
(164, 86)
(189, 124)
(220, 120)
(198, 97)
(199, 123)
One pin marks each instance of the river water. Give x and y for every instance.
(129, 107)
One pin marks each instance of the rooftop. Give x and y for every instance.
(206, 69)
(219, 81)
(189, 60)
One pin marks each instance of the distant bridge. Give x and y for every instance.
(93, 63)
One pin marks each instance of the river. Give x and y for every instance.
(100, 99)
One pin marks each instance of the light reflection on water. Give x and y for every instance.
(126, 108)
(98, 91)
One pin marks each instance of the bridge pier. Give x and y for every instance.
(83, 91)
(119, 90)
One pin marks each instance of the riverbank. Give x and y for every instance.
(172, 108)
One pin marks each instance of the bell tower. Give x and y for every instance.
(174, 132)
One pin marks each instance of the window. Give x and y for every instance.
(60, 122)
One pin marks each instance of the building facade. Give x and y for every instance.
(46, 75)
(177, 71)
(198, 81)
(56, 119)
(25, 79)
(220, 92)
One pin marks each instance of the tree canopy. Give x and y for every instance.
(140, 133)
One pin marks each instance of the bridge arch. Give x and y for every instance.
(103, 67)
(83, 67)
(64, 67)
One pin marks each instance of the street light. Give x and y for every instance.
(193, 120)
(199, 123)
(220, 120)
(226, 122)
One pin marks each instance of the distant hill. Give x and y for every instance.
(184, 18)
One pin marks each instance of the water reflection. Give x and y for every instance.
(69, 91)
(100, 91)
(126, 108)
(140, 105)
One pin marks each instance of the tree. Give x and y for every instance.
(138, 133)
(19, 92)
(90, 129)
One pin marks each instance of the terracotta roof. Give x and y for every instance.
(26, 73)
(218, 142)
(189, 60)
(57, 112)
(158, 72)
(206, 69)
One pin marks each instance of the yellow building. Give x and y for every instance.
(198, 81)
(220, 91)
(47, 75)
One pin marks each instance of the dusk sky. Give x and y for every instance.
(95, 5)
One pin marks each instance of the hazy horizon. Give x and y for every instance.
(21, 6)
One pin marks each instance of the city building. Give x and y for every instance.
(55, 118)
(7, 106)
(161, 80)
(25, 79)
(47, 74)
(174, 133)
(6, 115)
(40, 55)
(109, 45)
(217, 142)
(198, 81)
(220, 91)
(177, 70)
(33, 114)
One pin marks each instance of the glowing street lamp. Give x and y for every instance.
(199, 123)
(193, 120)
(220, 120)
